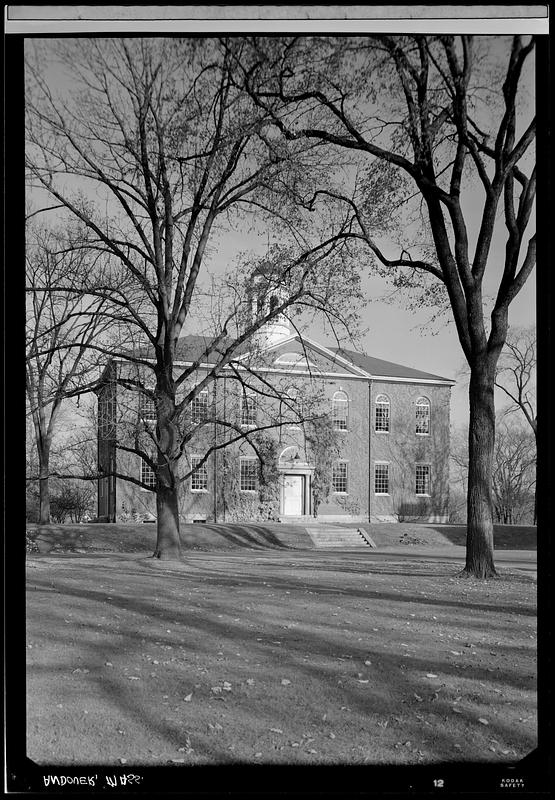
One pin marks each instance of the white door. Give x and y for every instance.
(293, 495)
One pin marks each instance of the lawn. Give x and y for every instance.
(141, 538)
(277, 657)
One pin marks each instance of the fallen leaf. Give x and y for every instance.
(276, 730)
(430, 675)
(188, 698)
(368, 663)
(250, 681)
(285, 682)
(216, 689)
(483, 721)
(332, 735)
(418, 698)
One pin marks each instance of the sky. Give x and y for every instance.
(395, 333)
(399, 335)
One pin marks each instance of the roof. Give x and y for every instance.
(384, 369)
(191, 347)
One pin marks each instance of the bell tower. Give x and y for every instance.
(266, 291)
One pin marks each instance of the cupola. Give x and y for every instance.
(266, 290)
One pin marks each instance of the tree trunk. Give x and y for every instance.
(481, 441)
(168, 546)
(44, 489)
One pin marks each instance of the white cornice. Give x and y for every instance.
(361, 376)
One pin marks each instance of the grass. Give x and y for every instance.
(141, 538)
(278, 657)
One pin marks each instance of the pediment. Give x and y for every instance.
(296, 355)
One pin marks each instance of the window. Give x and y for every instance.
(147, 408)
(340, 411)
(295, 360)
(423, 416)
(382, 414)
(107, 413)
(248, 479)
(148, 476)
(423, 479)
(339, 477)
(381, 478)
(248, 409)
(199, 478)
(199, 407)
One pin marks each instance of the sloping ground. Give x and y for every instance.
(278, 657)
(141, 538)
(506, 537)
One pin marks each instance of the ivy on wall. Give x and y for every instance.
(323, 446)
(262, 507)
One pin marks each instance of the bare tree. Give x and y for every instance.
(516, 377)
(514, 474)
(437, 118)
(60, 328)
(157, 153)
(516, 374)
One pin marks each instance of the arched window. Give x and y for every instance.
(382, 414)
(423, 416)
(340, 411)
(289, 454)
(297, 360)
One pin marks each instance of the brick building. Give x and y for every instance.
(390, 428)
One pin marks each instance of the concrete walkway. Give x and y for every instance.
(525, 560)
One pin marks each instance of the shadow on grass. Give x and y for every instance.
(207, 609)
(391, 690)
(247, 535)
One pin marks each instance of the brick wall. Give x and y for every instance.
(402, 448)
(360, 446)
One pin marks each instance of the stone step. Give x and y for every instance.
(324, 536)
